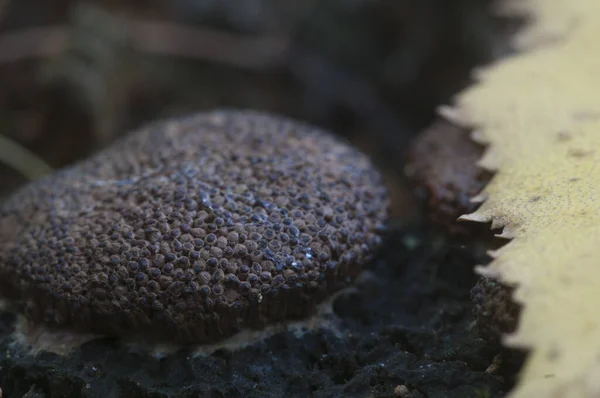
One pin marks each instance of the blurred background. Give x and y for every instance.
(75, 75)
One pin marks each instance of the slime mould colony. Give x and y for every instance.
(192, 229)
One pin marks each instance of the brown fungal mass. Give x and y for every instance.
(193, 228)
(440, 164)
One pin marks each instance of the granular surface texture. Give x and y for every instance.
(407, 324)
(192, 229)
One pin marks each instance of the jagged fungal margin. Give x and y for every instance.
(539, 114)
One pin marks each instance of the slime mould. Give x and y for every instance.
(440, 166)
(192, 229)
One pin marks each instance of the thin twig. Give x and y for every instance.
(3, 7)
(183, 41)
(161, 38)
(32, 43)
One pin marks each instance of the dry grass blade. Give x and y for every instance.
(22, 160)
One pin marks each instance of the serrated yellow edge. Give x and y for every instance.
(539, 113)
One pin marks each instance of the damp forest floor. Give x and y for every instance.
(405, 331)
(372, 72)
